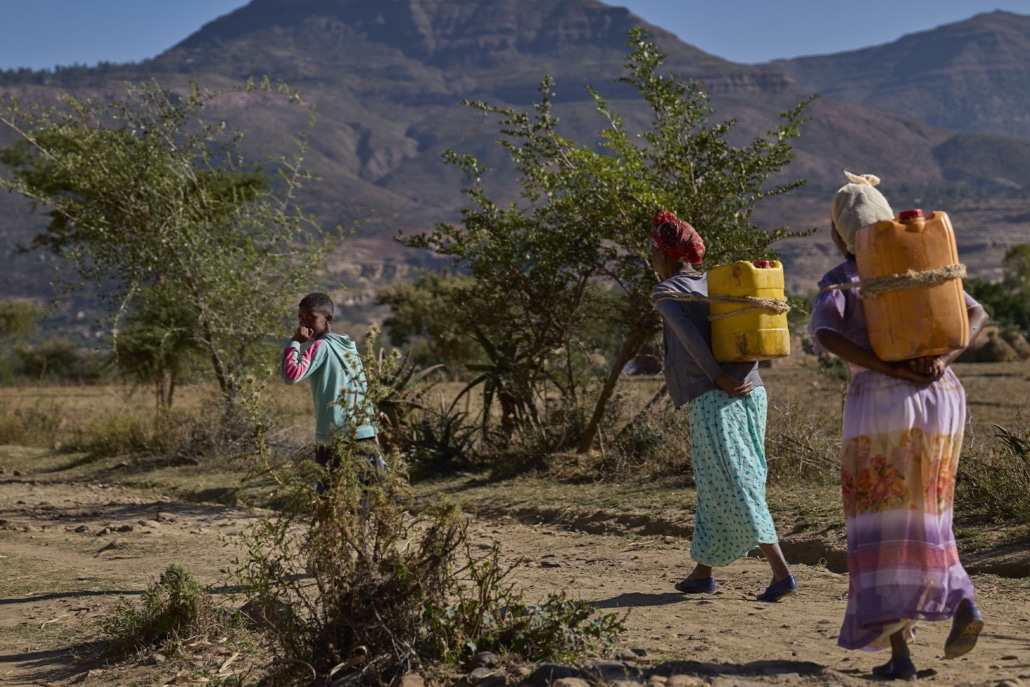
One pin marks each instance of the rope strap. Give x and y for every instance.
(897, 282)
(777, 305)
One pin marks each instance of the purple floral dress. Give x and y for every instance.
(900, 452)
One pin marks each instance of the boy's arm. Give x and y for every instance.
(297, 366)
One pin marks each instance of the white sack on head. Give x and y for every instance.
(856, 205)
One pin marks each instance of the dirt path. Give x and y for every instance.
(68, 552)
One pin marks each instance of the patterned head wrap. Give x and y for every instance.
(856, 205)
(676, 238)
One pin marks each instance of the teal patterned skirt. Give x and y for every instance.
(727, 439)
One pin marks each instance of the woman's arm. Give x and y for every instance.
(690, 338)
(934, 366)
(845, 348)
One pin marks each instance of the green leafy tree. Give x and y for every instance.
(576, 248)
(18, 318)
(159, 344)
(145, 192)
(426, 310)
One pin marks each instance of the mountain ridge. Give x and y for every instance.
(387, 77)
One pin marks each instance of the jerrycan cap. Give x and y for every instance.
(910, 214)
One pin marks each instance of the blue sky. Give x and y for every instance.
(45, 33)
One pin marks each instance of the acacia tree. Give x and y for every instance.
(583, 223)
(145, 193)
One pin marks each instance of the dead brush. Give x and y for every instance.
(354, 586)
(993, 482)
(346, 570)
(802, 442)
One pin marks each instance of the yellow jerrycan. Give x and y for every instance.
(924, 314)
(740, 331)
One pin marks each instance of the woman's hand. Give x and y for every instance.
(732, 387)
(931, 367)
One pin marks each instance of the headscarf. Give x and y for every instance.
(676, 238)
(856, 205)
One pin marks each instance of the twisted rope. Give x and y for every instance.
(898, 282)
(777, 305)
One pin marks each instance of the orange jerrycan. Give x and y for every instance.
(742, 332)
(924, 312)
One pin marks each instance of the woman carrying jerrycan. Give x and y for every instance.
(903, 426)
(727, 405)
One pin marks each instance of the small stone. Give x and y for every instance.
(570, 682)
(552, 674)
(484, 659)
(154, 659)
(484, 677)
(116, 544)
(408, 680)
(684, 681)
(17, 473)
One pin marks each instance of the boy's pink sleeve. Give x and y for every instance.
(296, 365)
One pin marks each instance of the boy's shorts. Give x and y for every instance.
(366, 448)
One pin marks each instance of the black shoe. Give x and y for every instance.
(965, 630)
(698, 585)
(896, 669)
(778, 590)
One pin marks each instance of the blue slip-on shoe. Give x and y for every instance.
(965, 630)
(896, 669)
(699, 585)
(778, 590)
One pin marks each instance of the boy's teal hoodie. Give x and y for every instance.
(333, 365)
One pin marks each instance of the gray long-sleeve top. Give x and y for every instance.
(690, 367)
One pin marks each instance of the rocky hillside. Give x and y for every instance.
(387, 78)
(969, 76)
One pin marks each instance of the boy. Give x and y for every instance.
(338, 384)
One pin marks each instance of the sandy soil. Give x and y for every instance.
(69, 552)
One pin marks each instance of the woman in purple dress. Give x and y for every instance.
(903, 424)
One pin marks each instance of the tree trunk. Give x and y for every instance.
(634, 342)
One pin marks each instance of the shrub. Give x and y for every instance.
(352, 585)
(174, 611)
(441, 442)
(487, 614)
(994, 478)
(654, 444)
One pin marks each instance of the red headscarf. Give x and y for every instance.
(676, 238)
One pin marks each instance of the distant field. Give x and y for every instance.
(998, 393)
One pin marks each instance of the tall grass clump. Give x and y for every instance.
(993, 483)
(174, 611)
(41, 424)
